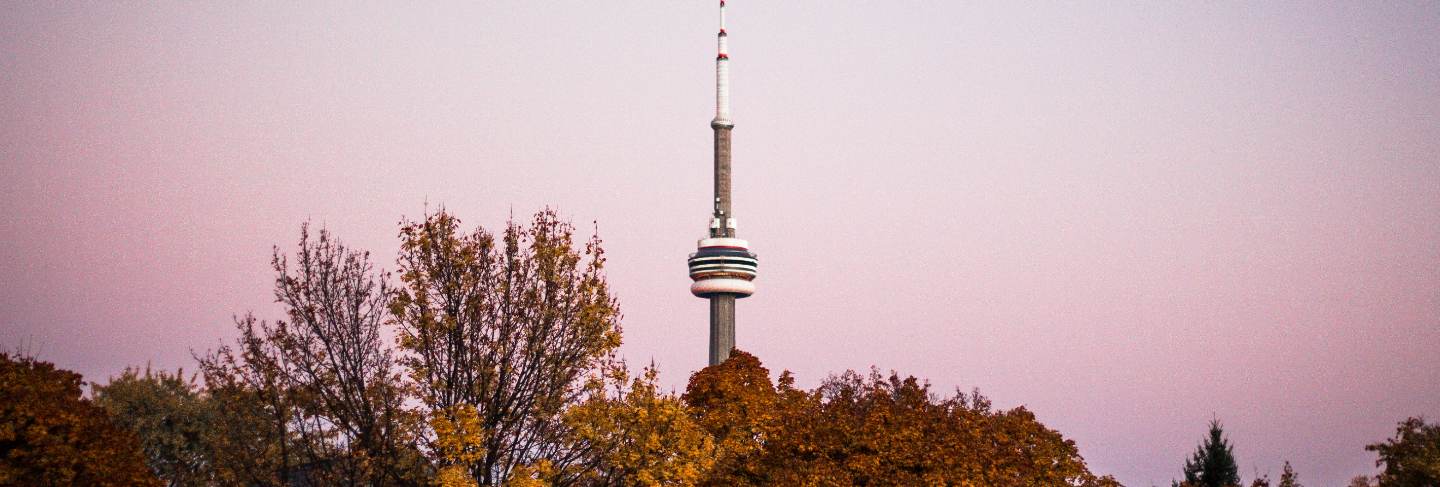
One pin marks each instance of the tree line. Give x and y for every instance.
(491, 359)
(1410, 459)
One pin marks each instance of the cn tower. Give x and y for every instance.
(723, 267)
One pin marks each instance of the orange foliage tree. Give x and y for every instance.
(50, 435)
(857, 430)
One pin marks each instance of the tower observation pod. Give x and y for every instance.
(723, 267)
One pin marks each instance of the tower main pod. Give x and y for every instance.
(723, 267)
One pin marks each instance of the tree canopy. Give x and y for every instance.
(172, 417)
(871, 430)
(1412, 457)
(51, 435)
(510, 328)
(1213, 463)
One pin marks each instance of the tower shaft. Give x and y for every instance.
(723, 266)
(722, 328)
(723, 215)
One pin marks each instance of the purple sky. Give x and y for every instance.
(1128, 218)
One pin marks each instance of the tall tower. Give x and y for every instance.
(723, 266)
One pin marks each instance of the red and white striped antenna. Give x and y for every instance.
(722, 75)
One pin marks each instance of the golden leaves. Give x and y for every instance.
(509, 330)
(641, 437)
(459, 436)
(531, 476)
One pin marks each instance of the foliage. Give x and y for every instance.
(255, 441)
(459, 442)
(856, 430)
(171, 416)
(509, 328)
(1360, 481)
(340, 370)
(737, 404)
(320, 387)
(454, 476)
(1288, 477)
(1213, 463)
(638, 436)
(50, 435)
(537, 475)
(1412, 457)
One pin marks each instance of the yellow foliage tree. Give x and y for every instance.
(638, 436)
(509, 325)
(459, 444)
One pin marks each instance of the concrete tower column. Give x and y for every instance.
(723, 266)
(722, 327)
(722, 182)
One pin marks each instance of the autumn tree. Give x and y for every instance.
(323, 378)
(735, 402)
(1213, 463)
(889, 430)
(508, 327)
(634, 435)
(1412, 457)
(254, 438)
(50, 435)
(871, 430)
(171, 416)
(341, 369)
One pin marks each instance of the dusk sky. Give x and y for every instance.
(1128, 217)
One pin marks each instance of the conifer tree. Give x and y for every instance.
(1213, 464)
(1288, 477)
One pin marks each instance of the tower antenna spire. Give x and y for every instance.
(722, 72)
(723, 267)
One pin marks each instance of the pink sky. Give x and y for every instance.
(1128, 218)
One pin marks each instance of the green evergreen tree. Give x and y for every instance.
(1288, 477)
(1213, 464)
